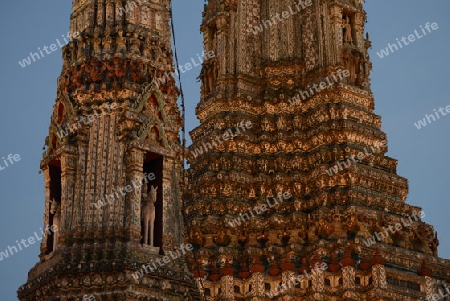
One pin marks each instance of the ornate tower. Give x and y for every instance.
(290, 194)
(112, 163)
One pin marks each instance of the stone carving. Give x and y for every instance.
(55, 209)
(348, 30)
(121, 47)
(158, 21)
(94, 71)
(348, 276)
(434, 244)
(131, 13)
(323, 229)
(148, 216)
(352, 227)
(222, 239)
(145, 16)
(208, 75)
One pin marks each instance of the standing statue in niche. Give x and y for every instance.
(55, 209)
(148, 215)
(348, 30)
(208, 76)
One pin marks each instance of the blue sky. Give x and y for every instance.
(407, 85)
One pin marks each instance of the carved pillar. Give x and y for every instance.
(336, 35)
(289, 280)
(200, 283)
(159, 22)
(171, 200)
(222, 33)
(257, 282)
(322, 34)
(310, 42)
(100, 11)
(231, 69)
(119, 12)
(379, 276)
(110, 11)
(318, 283)
(68, 178)
(358, 29)
(272, 32)
(206, 39)
(89, 16)
(131, 9)
(429, 287)
(80, 193)
(46, 172)
(227, 285)
(348, 277)
(134, 163)
(73, 27)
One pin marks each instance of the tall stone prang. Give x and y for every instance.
(114, 148)
(304, 204)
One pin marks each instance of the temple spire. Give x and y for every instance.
(309, 179)
(112, 162)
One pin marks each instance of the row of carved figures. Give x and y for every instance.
(98, 72)
(332, 226)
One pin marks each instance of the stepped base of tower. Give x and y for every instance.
(80, 272)
(344, 279)
(281, 265)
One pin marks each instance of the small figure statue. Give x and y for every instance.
(323, 230)
(352, 227)
(348, 31)
(434, 244)
(252, 194)
(94, 70)
(222, 239)
(227, 191)
(197, 238)
(119, 69)
(210, 77)
(148, 216)
(121, 43)
(55, 209)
